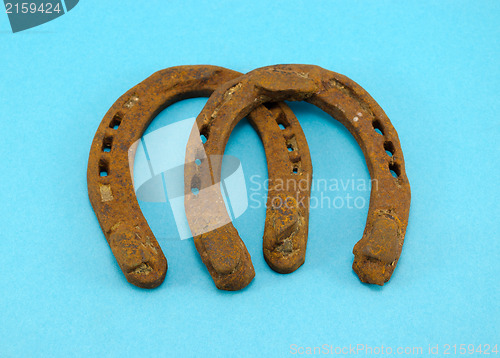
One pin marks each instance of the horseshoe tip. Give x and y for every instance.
(284, 263)
(144, 276)
(377, 253)
(288, 255)
(285, 235)
(370, 270)
(238, 279)
(139, 257)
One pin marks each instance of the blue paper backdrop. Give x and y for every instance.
(432, 66)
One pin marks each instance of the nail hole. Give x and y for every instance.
(389, 148)
(282, 120)
(198, 162)
(116, 121)
(106, 144)
(103, 168)
(290, 147)
(204, 134)
(195, 185)
(295, 170)
(395, 169)
(378, 127)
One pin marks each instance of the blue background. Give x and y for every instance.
(432, 66)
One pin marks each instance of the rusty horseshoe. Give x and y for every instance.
(287, 215)
(378, 251)
(110, 184)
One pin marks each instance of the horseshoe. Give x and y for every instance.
(286, 226)
(378, 251)
(109, 180)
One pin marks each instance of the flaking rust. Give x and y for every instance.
(111, 189)
(285, 234)
(378, 251)
(286, 225)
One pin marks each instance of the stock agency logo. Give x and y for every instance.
(158, 172)
(25, 14)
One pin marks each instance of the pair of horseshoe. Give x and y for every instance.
(285, 237)
(378, 251)
(111, 189)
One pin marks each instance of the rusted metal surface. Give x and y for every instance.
(109, 179)
(378, 251)
(287, 213)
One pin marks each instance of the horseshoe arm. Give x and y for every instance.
(286, 228)
(112, 196)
